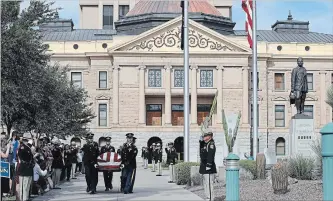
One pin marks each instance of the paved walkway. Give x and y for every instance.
(147, 187)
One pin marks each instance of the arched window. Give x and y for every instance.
(280, 146)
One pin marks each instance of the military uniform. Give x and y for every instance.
(159, 155)
(153, 156)
(207, 165)
(108, 175)
(128, 156)
(171, 160)
(91, 152)
(25, 171)
(145, 155)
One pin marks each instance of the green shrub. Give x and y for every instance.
(316, 148)
(300, 167)
(250, 166)
(183, 172)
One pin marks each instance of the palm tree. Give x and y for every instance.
(330, 96)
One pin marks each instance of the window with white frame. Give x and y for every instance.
(154, 78)
(280, 146)
(76, 78)
(279, 116)
(310, 81)
(308, 110)
(179, 78)
(279, 81)
(103, 79)
(107, 17)
(206, 78)
(102, 115)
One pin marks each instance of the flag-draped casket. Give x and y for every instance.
(109, 161)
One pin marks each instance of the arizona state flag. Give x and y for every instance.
(182, 31)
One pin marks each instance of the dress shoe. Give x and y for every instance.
(107, 189)
(88, 190)
(125, 192)
(93, 192)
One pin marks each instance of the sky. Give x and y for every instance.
(318, 12)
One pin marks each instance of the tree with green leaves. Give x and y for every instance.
(35, 96)
(329, 100)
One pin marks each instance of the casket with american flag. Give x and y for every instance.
(109, 161)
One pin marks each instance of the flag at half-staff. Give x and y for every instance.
(109, 161)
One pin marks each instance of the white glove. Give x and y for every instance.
(122, 166)
(208, 168)
(95, 165)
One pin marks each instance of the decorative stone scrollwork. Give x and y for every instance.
(172, 38)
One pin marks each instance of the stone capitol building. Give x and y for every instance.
(126, 54)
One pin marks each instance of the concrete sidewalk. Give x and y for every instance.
(147, 187)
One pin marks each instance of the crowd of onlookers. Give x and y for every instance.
(53, 162)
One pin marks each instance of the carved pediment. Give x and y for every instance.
(172, 39)
(280, 98)
(167, 38)
(103, 97)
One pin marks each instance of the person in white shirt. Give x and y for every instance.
(39, 174)
(79, 160)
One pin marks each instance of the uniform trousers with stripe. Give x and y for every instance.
(24, 187)
(172, 172)
(154, 165)
(208, 186)
(129, 174)
(159, 168)
(91, 176)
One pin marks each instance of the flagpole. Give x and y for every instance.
(186, 87)
(254, 78)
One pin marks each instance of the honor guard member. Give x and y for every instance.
(207, 164)
(153, 156)
(74, 152)
(145, 157)
(159, 159)
(128, 156)
(91, 152)
(171, 160)
(25, 169)
(107, 174)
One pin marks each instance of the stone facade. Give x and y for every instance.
(128, 59)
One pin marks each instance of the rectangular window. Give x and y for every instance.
(308, 110)
(251, 80)
(179, 78)
(203, 112)
(102, 115)
(279, 116)
(177, 114)
(310, 81)
(153, 115)
(154, 78)
(76, 78)
(206, 78)
(103, 79)
(123, 10)
(279, 81)
(251, 113)
(107, 17)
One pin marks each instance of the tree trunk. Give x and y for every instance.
(280, 178)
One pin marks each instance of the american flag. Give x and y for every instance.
(109, 161)
(247, 6)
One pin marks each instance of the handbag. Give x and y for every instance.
(292, 98)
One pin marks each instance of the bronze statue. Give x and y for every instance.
(299, 86)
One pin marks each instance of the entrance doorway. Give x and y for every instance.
(179, 146)
(102, 141)
(149, 143)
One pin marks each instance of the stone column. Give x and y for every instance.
(100, 15)
(167, 106)
(219, 105)
(194, 96)
(142, 96)
(323, 90)
(245, 112)
(115, 12)
(115, 100)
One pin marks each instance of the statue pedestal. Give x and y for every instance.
(301, 135)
